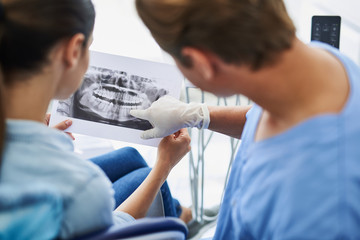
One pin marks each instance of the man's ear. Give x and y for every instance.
(74, 50)
(200, 61)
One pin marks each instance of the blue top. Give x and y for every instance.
(301, 184)
(32, 213)
(35, 153)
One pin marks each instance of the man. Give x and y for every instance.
(296, 172)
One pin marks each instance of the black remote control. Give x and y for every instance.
(326, 29)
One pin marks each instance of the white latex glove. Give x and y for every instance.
(168, 115)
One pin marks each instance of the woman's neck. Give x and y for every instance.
(29, 98)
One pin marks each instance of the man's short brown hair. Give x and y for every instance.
(250, 32)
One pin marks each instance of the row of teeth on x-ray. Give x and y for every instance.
(117, 107)
(121, 79)
(110, 93)
(120, 97)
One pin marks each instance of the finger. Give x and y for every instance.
(63, 125)
(47, 119)
(142, 114)
(149, 134)
(70, 134)
(183, 132)
(184, 135)
(176, 134)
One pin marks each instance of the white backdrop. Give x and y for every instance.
(301, 12)
(118, 30)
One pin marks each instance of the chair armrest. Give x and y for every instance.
(141, 228)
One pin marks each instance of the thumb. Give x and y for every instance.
(148, 134)
(63, 125)
(139, 114)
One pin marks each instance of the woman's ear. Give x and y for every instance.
(200, 62)
(74, 50)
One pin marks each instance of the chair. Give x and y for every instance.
(35, 212)
(197, 157)
(144, 229)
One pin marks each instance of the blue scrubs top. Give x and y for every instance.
(301, 184)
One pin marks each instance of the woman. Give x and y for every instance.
(44, 53)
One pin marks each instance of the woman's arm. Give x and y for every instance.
(170, 151)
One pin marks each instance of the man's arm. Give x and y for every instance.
(228, 120)
(167, 115)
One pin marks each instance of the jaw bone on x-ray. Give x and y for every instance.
(107, 96)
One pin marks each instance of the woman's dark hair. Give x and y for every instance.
(32, 27)
(2, 119)
(28, 31)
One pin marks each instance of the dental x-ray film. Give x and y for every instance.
(112, 86)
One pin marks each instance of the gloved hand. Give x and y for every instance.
(168, 115)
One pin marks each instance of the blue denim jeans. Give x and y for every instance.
(127, 169)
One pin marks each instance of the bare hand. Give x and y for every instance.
(62, 126)
(173, 148)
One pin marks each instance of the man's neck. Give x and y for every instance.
(304, 82)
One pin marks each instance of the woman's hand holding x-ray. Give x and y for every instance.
(168, 115)
(62, 126)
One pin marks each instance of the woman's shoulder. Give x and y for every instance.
(33, 152)
(24, 132)
(45, 156)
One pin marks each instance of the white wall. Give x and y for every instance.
(302, 11)
(118, 29)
